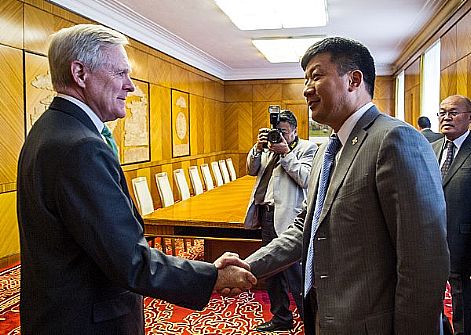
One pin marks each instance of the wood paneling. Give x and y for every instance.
(139, 63)
(11, 23)
(238, 93)
(293, 91)
(448, 48)
(463, 36)
(412, 92)
(9, 237)
(11, 112)
(159, 71)
(267, 92)
(448, 81)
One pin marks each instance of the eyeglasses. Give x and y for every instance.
(450, 113)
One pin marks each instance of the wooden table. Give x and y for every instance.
(216, 216)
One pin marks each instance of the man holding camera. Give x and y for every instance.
(282, 163)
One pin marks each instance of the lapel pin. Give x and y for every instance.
(355, 140)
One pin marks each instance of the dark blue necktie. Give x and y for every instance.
(329, 158)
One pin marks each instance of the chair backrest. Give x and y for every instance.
(224, 171)
(232, 171)
(208, 180)
(182, 184)
(217, 173)
(165, 190)
(195, 180)
(143, 196)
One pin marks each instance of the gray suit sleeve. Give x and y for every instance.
(281, 252)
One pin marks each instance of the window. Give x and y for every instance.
(430, 84)
(400, 96)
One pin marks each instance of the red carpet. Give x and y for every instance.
(222, 316)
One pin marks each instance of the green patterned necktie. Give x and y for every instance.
(110, 140)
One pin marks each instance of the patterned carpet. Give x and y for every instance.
(234, 316)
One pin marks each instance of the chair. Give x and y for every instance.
(182, 184)
(195, 180)
(165, 191)
(224, 171)
(217, 174)
(232, 171)
(208, 180)
(145, 204)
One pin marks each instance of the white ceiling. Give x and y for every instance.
(200, 34)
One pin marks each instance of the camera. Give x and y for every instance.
(274, 134)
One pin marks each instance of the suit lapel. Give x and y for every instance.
(460, 158)
(347, 156)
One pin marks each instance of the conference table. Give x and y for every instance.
(216, 216)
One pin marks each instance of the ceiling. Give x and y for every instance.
(200, 34)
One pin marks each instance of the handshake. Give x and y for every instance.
(234, 275)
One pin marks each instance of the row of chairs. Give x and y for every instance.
(223, 172)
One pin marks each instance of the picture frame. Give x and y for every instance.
(180, 118)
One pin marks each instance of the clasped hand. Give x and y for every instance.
(234, 275)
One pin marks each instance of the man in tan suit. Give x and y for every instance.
(375, 257)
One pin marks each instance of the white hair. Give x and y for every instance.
(84, 43)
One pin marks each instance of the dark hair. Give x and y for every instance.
(424, 122)
(348, 55)
(288, 116)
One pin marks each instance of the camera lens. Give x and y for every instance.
(274, 136)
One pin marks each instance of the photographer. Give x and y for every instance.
(282, 163)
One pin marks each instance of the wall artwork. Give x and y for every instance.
(180, 124)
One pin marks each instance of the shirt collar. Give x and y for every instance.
(349, 124)
(458, 141)
(95, 119)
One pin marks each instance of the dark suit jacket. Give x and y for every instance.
(380, 254)
(85, 262)
(457, 188)
(431, 136)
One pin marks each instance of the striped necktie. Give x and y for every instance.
(333, 147)
(450, 146)
(110, 140)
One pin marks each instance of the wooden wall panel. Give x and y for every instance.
(38, 26)
(463, 36)
(11, 114)
(231, 125)
(209, 133)
(196, 84)
(267, 92)
(139, 63)
(245, 127)
(238, 93)
(9, 236)
(293, 91)
(412, 92)
(448, 81)
(463, 76)
(448, 48)
(261, 117)
(180, 78)
(159, 71)
(11, 23)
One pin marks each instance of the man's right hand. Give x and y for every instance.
(262, 139)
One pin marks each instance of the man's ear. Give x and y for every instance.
(78, 73)
(355, 80)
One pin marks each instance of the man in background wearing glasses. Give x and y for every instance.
(454, 155)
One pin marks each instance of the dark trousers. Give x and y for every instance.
(280, 284)
(461, 299)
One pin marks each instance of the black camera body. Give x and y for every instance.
(274, 134)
